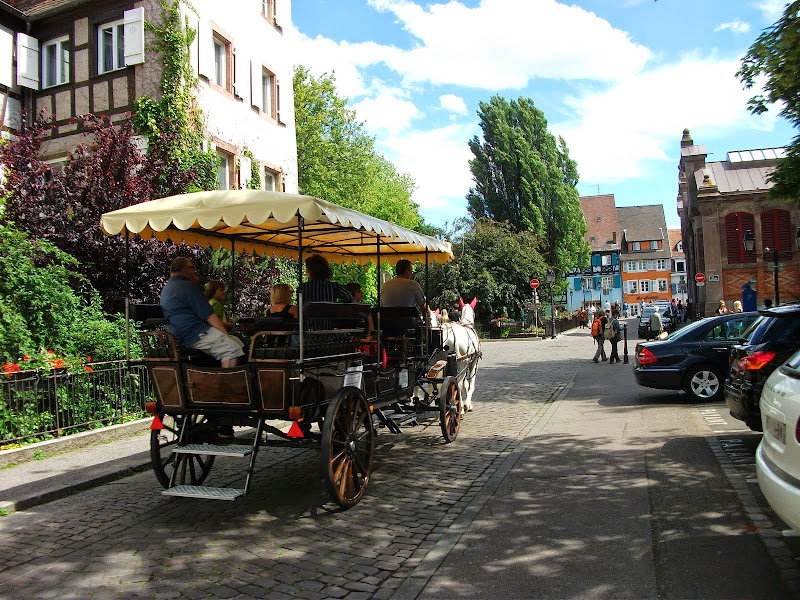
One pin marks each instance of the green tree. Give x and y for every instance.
(525, 177)
(775, 58)
(493, 263)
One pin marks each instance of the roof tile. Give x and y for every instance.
(600, 213)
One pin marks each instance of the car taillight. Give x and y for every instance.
(755, 361)
(645, 357)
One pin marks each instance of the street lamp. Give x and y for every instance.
(551, 279)
(749, 242)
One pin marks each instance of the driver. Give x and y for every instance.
(192, 320)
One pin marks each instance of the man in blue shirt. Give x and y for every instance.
(192, 320)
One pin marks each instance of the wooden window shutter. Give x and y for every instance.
(134, 36)
(776, 232)
(205, 47)
(735, 226)
(27, 61)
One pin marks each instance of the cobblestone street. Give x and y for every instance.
(286, 539)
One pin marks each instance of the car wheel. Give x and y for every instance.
(704, 383)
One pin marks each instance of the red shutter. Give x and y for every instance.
(735, 226)
(776, 232)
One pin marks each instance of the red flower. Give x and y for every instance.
(10, 368)
(88, 368)
(26, 358)
(50, 352)
(88, 358)
(58, 363)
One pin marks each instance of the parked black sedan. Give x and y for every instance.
(694, 358)
(765, 347)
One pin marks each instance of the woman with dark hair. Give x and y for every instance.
(319, 287)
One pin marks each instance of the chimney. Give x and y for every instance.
(614, 237)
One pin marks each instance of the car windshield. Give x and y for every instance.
(784, 327)
(794, 361)
(647, 312)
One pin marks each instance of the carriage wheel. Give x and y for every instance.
(192, 468)
(348, 446)
(449, 409)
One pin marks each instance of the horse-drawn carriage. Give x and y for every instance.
(327, 382)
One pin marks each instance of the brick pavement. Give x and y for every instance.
(286, 539)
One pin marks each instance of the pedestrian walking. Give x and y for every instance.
(655, 324)
(626, 308)
(582, 318)
(590, 314)
(607, 306)
(598, 329)
(613, 333)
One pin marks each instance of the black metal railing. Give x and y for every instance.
(38, 405)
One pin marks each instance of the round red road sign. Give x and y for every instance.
(534, 283)
(700, 278)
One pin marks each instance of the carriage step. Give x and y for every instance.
(201, 491)
(404, 418)
(214, 450)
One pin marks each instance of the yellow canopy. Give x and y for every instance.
(267, 223)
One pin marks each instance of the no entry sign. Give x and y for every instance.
(534, 283)
(700, 278)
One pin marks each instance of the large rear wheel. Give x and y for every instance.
(192, 468)
(450, 409)
(348, 446)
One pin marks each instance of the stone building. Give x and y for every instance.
(65, 58)
(718, 203)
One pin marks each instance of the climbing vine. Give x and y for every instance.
(174, 124)
(255, 170)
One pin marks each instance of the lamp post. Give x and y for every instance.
(749, 242)
(551, 279)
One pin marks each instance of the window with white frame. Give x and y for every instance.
(224, 170)
(644, 285)
(654, 245)
(632, 287)
(221, 67)
(605, 260)
(268, 103)
(270, 180)
(663, 285)
(680, 247)
(110, 47)
(635, 246)
(605, 283)
(680, 266)
(55, 62)
(643, 266)
(630, 266)
(268, 10)
(588, 283)
(662, 264)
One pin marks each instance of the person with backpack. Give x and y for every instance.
(613, 333)
(598, 327)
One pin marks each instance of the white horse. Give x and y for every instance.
(462, 338)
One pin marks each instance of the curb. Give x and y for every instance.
(76, 441)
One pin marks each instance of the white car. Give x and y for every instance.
(778, 454)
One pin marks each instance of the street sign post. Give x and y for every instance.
(700, 278)
(534, 283)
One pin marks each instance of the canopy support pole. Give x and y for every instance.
(426, 318)
(300, 307)
(378, 324)
(127, 300)
(233, 277)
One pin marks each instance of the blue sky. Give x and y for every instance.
(618, 79)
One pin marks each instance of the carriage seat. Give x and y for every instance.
(158, 343)
(398, 321)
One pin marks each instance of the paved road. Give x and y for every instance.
(566, 481)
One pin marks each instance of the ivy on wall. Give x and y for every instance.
(174, 124)
(255, 170)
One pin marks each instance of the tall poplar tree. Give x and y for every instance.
(525, 177)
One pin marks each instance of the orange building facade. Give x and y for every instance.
(645, 255)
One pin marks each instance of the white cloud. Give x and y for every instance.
(438, 160)
(736, 26)
(618, 131)
(771, 9)
(453, 103)
(387, 112)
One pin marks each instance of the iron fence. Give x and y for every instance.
(37, 405)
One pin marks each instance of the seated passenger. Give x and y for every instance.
(192, 320)
(402, 291)
(281, 302)
(215, 292)
(320, 288)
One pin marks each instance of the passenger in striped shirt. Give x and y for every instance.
(320, 288)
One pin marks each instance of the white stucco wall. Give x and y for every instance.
(234, 120)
